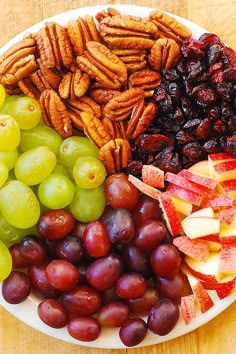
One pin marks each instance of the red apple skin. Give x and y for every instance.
(205, 181)
(202, 270)
(188, 308)
(153, 176)
(220, 156)
(170, 214)
(180, 180)
(183, 193)
(196, 248)
(143, 187)
(203, 298)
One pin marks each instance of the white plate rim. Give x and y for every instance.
(109, 339)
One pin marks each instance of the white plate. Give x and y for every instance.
(27, 311)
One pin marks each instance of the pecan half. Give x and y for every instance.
(134, 59)
(115, 155)
(84, 104)
(169, 27)
(81, 31)
(102, 65)
(17, 62)
(54, 46)
(145, 79)
(55, 113)
(74, 84)
(102, 95)
(111, 11)
(140, 119)
(125, 31)
(28, 88)
(120, 106)
(95, 129)
(115, 129)
(164, 54)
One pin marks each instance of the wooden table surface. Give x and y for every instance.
(218, 335)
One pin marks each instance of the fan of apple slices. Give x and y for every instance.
(199, 208)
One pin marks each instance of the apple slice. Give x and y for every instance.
(143, 187)
(218, 158)
(196, 249)
(228, 214)
(195, 227)
(219, 200)
(227, 262)
(209, 183)
(228, 186)
(203, 298)
(201, 168)
(153, 176)
(223, 289)
(207, 212)
(206, 270)
(170, 214)
(185, 194)
(182, 206)
(224, 170)
(181, 181)
(188, 308)
(228, 230)
(213, 242)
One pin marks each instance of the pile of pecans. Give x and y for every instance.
(96, 79)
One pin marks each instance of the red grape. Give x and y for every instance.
(104, 272)
(120, 192)
(149, 234)
(114, 314)
(165, 260)
(96, 240)
(82, 300)
(62, 274)
(163, 317)
(55, 224)
(146, 208)
(16, 287)
(120, 226)
(133, 332)
(70, 248)
(136, 260)
(52, 312)
(18, 259)
(84, 328)
(143, 304)
(131, 285)
(33, 249)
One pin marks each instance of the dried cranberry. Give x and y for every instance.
(193, 48)
(203, 131)
(213, 54)
(183, 137)
(219, 127)
(192, 151)
(134, 167)
(211, 38)
(232, 124)
(211, 146)
(206, 96)
(153, 143)
(194, 69)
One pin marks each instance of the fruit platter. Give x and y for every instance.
(117, 176)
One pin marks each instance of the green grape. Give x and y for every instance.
(41, 135)
(56, 191)
(89, 172)
(26, 111)
(2, 95)
(88, 204)
(34, 165)
(74, 147)
(61, 169)
(3, 173)
(9, 133)
(9, 158)
(5, 261)
(8, 100)
(19, 205)
(10, 234)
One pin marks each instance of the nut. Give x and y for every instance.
(55, 113)
(115, 155)
(145, 79)
(17, 62)
(28, 88)
(111, 11)
(120, 106)
(134, 59)
(115, 129)
(124, 31)
(140, 119)
(164, 54)
(54, 46)
(103, 66)
(95, 129)
(169, 27)
(74, 85)
(84, 104)
(102, 95)
(81, 31)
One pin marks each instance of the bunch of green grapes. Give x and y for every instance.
(40, 171)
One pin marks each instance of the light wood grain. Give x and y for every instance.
(215, 337)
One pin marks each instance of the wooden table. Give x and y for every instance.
(215, 337)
